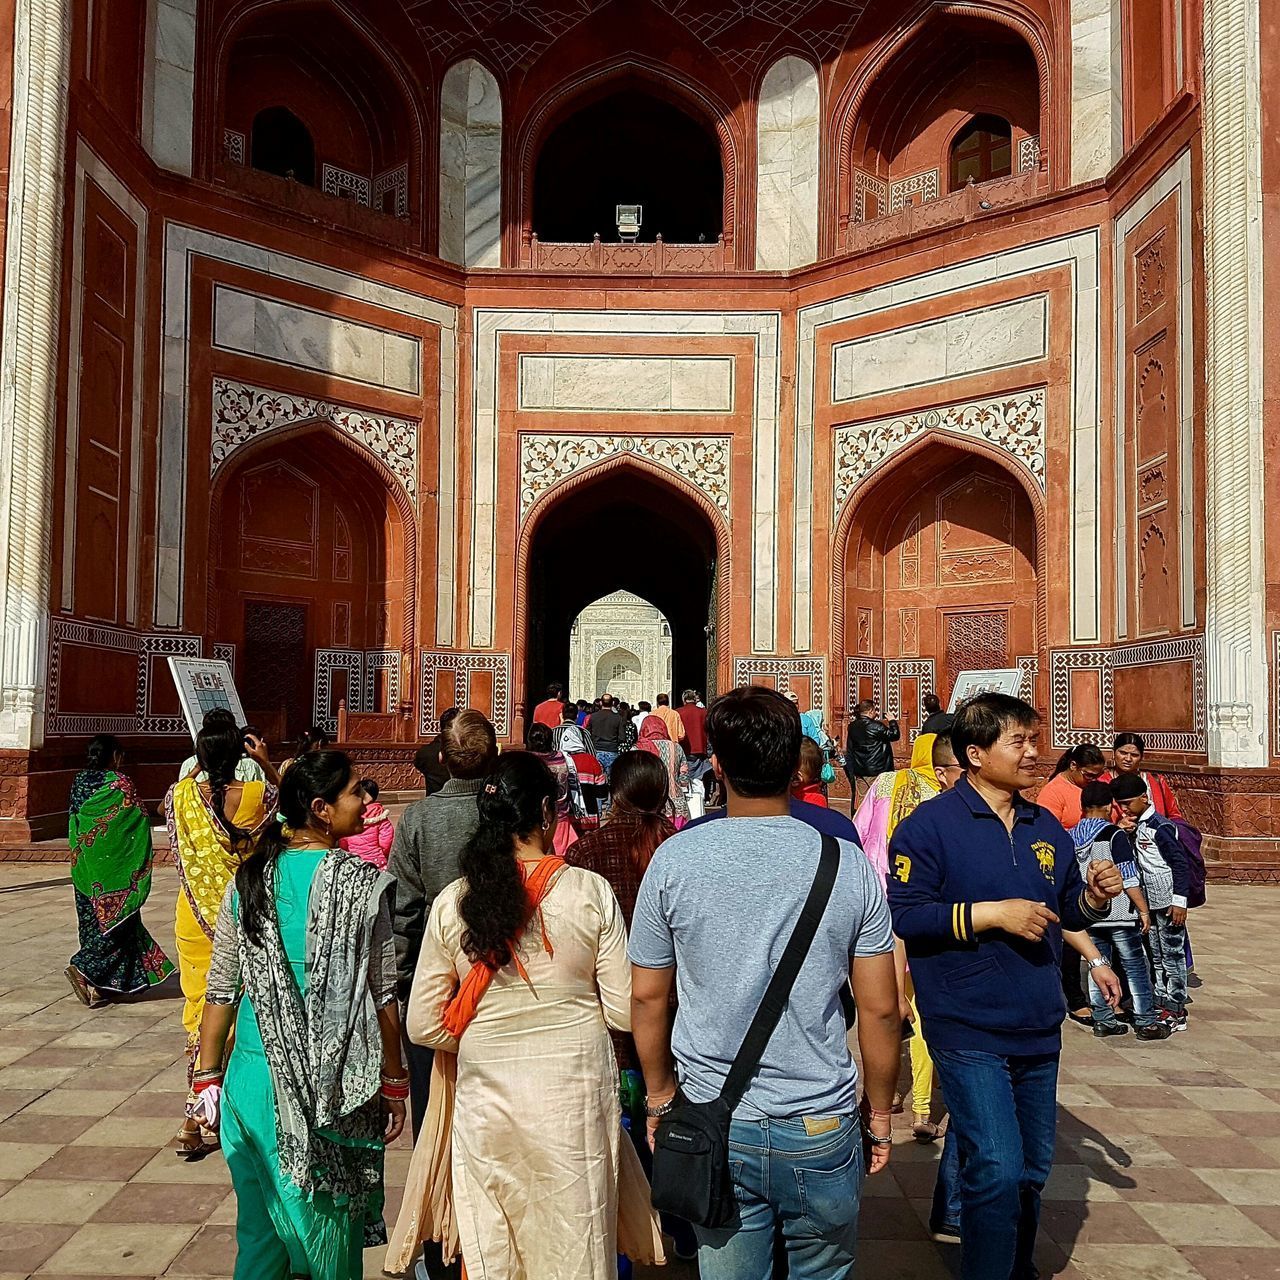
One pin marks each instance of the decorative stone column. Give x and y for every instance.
(29, 359)
(1235, 461)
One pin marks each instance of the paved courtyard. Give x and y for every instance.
(1168, 1159)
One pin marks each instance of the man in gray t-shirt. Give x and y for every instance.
(713, 916)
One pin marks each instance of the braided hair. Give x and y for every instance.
(218, 750)
(513, 802)
(319, 775)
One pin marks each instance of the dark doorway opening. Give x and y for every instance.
(629, 148)
(624, 531)
(281, 144)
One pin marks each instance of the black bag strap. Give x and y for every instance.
(784, 976)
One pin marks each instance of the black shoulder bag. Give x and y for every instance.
(691, 1148)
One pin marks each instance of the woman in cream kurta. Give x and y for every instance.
(540, 1170)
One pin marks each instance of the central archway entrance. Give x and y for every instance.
(623, 529)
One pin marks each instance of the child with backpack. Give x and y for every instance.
(1119, 938)
(1164, 868)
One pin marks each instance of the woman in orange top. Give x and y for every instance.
(1061, 794)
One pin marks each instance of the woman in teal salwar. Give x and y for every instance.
(111, 872)
(315, 1085)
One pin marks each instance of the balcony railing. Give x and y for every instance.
(658, 258)
(976, 200)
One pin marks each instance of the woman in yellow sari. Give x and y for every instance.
(212, 828)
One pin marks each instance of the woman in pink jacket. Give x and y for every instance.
(374, 842)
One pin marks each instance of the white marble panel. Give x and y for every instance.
(471, 166)
(1096, 106)
(309, 339)
(970, 342)
(787, 129)
(169, 86)
(627, 384)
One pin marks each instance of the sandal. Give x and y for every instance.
(86, 992)
(897, 1107)
(195, 1144)
(924, 1130)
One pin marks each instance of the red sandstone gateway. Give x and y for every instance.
(364, 345)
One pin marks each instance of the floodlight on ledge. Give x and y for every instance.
(629, 217)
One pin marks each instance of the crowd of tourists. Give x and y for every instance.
(620, 1027)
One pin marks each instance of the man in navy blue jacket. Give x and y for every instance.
(981, 885)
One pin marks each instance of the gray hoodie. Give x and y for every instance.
(424, 861)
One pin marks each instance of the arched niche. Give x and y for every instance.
(897, 124)
(471, 166)
(787, 128)
(309, 59)
(647, 103)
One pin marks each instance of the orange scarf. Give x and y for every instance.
(460, 1011)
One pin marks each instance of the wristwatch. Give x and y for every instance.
(656, 1113)
(1098, 962)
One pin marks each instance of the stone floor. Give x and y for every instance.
(1168, 1156)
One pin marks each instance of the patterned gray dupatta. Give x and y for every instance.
(324, 1051)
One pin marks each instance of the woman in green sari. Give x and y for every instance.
(111, 871)
(315, 1085)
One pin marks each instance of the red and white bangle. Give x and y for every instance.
(395, 1088)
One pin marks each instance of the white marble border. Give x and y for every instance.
(782, 669)
(1176, 179)
(1078, 252)
(183, 244)
(764, 326)
(463, 664)
(89, 166)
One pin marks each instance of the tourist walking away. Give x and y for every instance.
(429, 758)
(605, 727)
(693, 716)
(891, 797)
(250, 767)
(1119, 938)
(1163, 869)
(110, 841)
(935, 719)
(868, 748)
(982, 883)
(522, 1162)
(593, 786)
(670, 717)
(212, 828)
(304, 969)
(715, 912)
(425, 859)
(655, 740)
(569, 722)
(373, 843)
(568, 792)
(1077, 767)
(549, 710)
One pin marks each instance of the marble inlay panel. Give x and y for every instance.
(309, 339)
(627, 384)
(471, 166)
(970, 342)
(787, 166)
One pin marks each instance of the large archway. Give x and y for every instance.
(941, 572)
(622, 528)
(311, 577)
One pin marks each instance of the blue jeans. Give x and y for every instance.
(809, 1185)
(1168, 944)
(606, 759)
(1004, 1109)
(1124, 945)
(946, 1190)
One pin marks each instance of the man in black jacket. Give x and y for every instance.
(868, 750)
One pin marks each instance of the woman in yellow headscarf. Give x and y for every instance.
(891, 798)
(213, 822)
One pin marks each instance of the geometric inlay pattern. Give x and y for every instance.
(1014, 424)
(782, 670)
(242, 413)
(546, 460)
(463, 665)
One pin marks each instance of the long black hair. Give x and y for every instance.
(102, 750)
(317, 775)
(218, 750)
(513, 800)
(641, 801)
(1085, 754)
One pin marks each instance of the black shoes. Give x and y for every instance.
(1157, 1030)
(1104, 1029)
